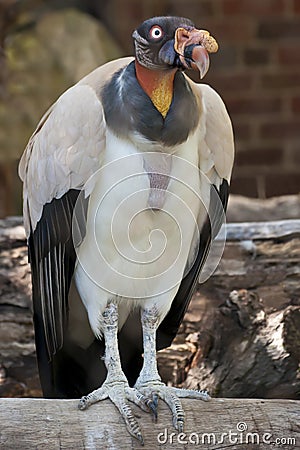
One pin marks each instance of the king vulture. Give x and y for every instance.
(125, 185)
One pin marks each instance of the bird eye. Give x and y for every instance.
(156, 32)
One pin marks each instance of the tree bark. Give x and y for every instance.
(218, 424)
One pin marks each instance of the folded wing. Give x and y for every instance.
(216, 154)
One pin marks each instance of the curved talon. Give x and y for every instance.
(154, 405)
(155, 399)
(172, 396)
(130, 421)
(175, 406)
(119, 393)
(140, 438)
(93, 397)
(179, 426)
(82, 404)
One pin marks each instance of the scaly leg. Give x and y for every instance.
(149, 382)
(116, 386)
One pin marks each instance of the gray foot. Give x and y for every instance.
(119, 393)
(171, 395)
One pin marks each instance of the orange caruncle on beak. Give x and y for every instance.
(193, 47)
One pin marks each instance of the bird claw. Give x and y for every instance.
(83, 403)
(119, 393)
(171, 396)
(153, 404)
(145, 395)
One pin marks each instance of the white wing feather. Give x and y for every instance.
(61, 155)
(216, 149)
(216, 152)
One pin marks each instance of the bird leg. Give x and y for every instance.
(149, 382)
(116, 386)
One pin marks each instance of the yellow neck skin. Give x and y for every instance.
(158, 85)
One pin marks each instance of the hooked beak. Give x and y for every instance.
(193, 46)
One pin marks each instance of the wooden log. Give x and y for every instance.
(218, 424)
(262, 230)
(245, 209)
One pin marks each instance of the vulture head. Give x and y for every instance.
(163, 43)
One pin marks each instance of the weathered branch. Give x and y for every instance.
(218, 424)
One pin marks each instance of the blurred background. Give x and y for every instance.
(46, 46)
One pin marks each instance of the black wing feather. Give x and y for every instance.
(52, 258)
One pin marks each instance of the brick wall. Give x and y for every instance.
(257, 72)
